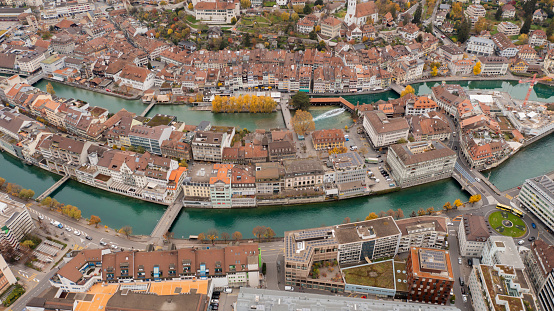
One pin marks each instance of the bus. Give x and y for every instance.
(510, 209)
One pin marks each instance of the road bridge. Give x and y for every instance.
(53, 188)
(397, 88)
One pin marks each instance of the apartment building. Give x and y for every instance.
(537, 195)
(537, 37)
(302, 174)
(499, 287)
(135, 77)
(63, 44)
(508, 28)
(196, 186)
(472, 235)
(417, 163)
(504, 46)
(539, 261)
(422, 231)
(546, 293)
(451, 53)
(220, 186)
(384, 131)
(149, 138)
(269, 178)
(6, 275)
(330, 27)
(64, 155)
(420, 105)
(209, 145)
(348, 167)
(429, 275)
(347, 243)
(328, 139)
(448, 97)
(52, 63)
(480, 46)
(29, 60)
(429, 126)
(508, 11)
(475, 11)
(15, 221)
(494, 65)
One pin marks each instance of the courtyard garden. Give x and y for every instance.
(507, 224)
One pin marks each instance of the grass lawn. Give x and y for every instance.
(517, 229)
(377, 275)
(269, 3)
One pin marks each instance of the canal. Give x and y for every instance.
(117, 211)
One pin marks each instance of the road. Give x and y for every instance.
(20, 304)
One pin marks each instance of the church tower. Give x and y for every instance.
(351, 12)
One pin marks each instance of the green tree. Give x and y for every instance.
(498, 13)
(313, 35)
(417, 15)
(94, 220)
(307, 10)
(550, 29)
(318, 2)
(321, 45)
(401, 141)
(429, 28)
(463, 30)
(233, 20)
(246, 40)
(300, 101)
(127, 230)
(526, 24)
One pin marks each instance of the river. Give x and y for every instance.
(117, 211)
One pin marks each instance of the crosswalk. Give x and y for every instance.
(29, 277)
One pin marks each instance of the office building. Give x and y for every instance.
(149, 138)
(15, 221)
(420, 162)
(537, 195)
(422, 231)
(6, 275)
(473, 233)
(384, 131)
(546, 293)
(480, 46)
(429, 275)
(539, 261)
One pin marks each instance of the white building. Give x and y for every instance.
(546, 293)
(537, 195)
(420, 162)
(383, 131)
(480, 46)
(6, 275)
(501, 250)
(494, 65)
(360, 13)
(508, 28)
(15, 221)
(136, 77)
(472, 235)
(422, 231)
(52, 64)
(217, 11)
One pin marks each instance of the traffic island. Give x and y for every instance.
(507, 224)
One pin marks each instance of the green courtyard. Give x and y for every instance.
(507, 224)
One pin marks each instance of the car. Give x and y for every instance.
(108, 90)
(228, 290)
(464, 298)
(459, 260)
(518, 188)
(215, 300)
(463, 290)
(470, 262)
(531, 239)
(462, 283)
(114, 246)
(443, 36)
(455, 148)
(77, 233)
(520, 242)
(88, 238)
(103, 243)
(533, 225)
(450, 224)
(451, 292)
(40, 217)
(68, 229)
(392, 185)
(289, 288)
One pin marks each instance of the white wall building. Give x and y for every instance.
(383, 131)
(472, 235)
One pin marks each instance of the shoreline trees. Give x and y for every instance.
(243, 103)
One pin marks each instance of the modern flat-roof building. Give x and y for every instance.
(384, 131)
(546, 293)
(537, 195)
(420, 162)
(348, 167)
(472, 235)
(383, 278)
(499, 287)
(508, 28)
(501, 250)
(209, 145)
(15, 221)
(6, 275)
(273, 300)
(480, 46)
(429, 275)
(493, 65)
(150, 138)
(422, 231)
(539, 261)
(347, 243)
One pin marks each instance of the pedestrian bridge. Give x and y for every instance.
(53, 188)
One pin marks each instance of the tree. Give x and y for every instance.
(94, 220)
(26, 194)
(458, 203)
(474, 198)
(429, 28)
(464, 29)
(50, 89)
(190, 6)
(527, 24)
(317, 28)
(237, 236)
(162, 3)
(390, 212)
(259, 232)
(401, 141)
(225, 236)
(285, 16)
(321, 45)
(498, 13)
(169, 235)
(201, 236)
(421, 212)
(127, 230)
(417, 15)
(409, 89)
(456, 12)
(269, 233)
(406, 19)
(523, 39)
(371, 216)
(399, 214)
(434, 71)
(2, 181)
(245, 4)
(382, 214)
(294, 16)
(233, 20)
(307, 10)
(246, 40)
(212, 235)
(346, 220)
(477, 68)
(447, 206)
(550, 29)
(413, 214)
(28, 243)
(430, 210)
(302, 122)
(318, 2)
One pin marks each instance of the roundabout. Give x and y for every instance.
(507, 224)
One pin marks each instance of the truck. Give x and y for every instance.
(371, 160)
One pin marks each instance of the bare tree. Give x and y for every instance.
(225, 236)
(259, 232)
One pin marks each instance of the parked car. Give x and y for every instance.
(464, 297)
(289, 288)
(531, 239)
(520, 242)
(114, 246)
(88, 238)
(459, 260)
(40, 217)
(533, 225)
(470, 262)
(462, 283)
(103, 243)
(68, 229)
(77, 233)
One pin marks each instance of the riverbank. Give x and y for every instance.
(99, 91)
